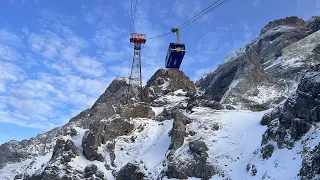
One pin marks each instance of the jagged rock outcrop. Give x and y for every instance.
(102, 131)
(298, 114)
(130, 171)
(66, 150)
(265, 71)
(138, 110)
(92, 172)
(311, 164)
(63, 152)
(195, 167)
(178, 130)
(165, 81)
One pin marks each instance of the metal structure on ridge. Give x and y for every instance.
(176, 51)
(136, 75)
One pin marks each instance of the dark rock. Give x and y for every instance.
(248, 167)
(198, 149)
(66, 150)
(92, 170)
(267, 151)
(230, 107)
(18, 176)
(254, 170)
(215, 127)
(192, 133)
(130, 171)
(268, 117)
(297, 115)
(178, 130)
(49, 173)
(310, 164)
(202, 101)
(102, 131)
(197, 167)
(138, 110)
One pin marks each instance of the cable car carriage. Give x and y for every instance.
(175, 53)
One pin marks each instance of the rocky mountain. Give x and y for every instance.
(255, 117)
(268, 69)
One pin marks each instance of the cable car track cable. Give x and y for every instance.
(211, 7)
(214, 7)
(195, 16)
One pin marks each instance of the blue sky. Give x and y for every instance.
(57, 57)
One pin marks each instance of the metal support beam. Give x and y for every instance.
(177, 31)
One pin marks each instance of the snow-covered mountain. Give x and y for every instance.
(255, 117)
(268, 69)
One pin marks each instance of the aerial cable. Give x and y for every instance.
(214, 7)
(211, 7)
(195, 16)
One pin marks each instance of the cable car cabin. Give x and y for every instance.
(175, 55)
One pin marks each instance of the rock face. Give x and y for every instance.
(298, 114)
(267, 70)
(130, 171)
(310, 165)
(138, 110)
(197, 167)
(102, 131)
(165, 81)
(63, 152)
(178, 130)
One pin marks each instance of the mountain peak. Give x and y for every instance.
(292, 21)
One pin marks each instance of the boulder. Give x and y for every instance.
(130, 171)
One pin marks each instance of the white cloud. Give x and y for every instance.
(47, 44)
(186, 8)
(50, 45)
(98, 14)
(9, 38)
(89, 65)
(10, 73)
(105, 38)
(111, 56)
(201, 72)
(8, 53)
(29, 106)
(14, 118)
